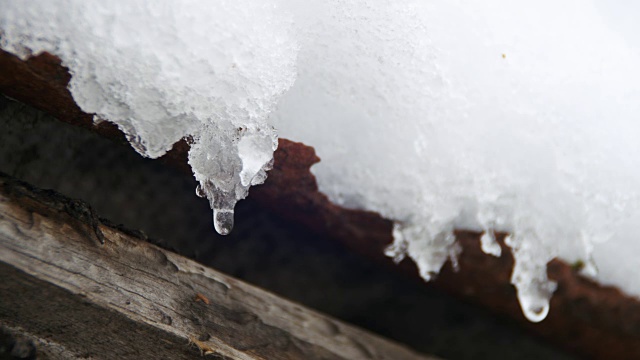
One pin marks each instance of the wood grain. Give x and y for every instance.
(129, 299)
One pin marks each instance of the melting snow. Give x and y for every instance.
(166, 70)
(487, 115)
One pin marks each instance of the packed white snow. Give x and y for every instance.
(487, 115)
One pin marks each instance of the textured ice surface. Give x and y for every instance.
(165, 70)
(490, 115)
(486, 115)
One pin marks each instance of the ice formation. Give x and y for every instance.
(483, 115)
(489, 115)
(167, 70)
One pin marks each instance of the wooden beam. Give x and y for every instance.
(77, 287)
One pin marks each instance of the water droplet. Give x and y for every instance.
(536, 313)
(223, 220)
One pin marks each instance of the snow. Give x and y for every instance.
(484, 115)
(488, 116)
(481, 115)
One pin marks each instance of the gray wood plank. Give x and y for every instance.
(97, 291)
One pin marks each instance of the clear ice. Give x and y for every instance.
(167, 70)
(226, 160)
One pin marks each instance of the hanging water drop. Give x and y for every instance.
(223, 220)
(536, 310)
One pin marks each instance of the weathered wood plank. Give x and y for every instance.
(128, 299)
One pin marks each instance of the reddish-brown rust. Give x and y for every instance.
(48, 67)
(39, 83)
(591, 320)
